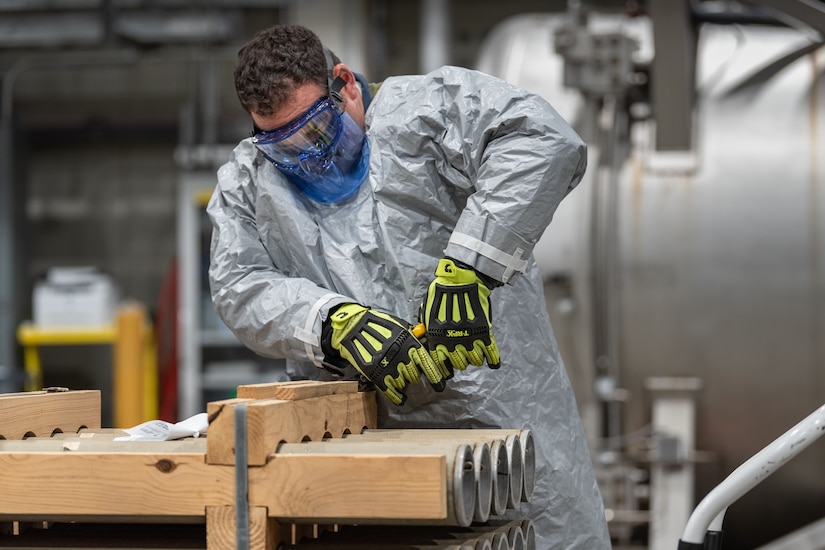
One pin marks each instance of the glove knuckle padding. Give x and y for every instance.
(375, 343)
(457, 315)
(382, 349)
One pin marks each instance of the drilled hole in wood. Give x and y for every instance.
(327, 435)
(28, 435)
(56, 431)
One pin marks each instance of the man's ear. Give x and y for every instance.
(350, 91)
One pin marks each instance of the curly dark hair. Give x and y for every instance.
(275, 62)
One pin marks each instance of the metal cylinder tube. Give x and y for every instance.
(483, 470)
(529, 531)
(516, 538)
(497, 540)
(500, 478)
(520, 469)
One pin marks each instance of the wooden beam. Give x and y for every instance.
(351, 488)
(151, 485)
(41, 413)
(298, 389)
(166, 487)
(272, 421)
(264, 532)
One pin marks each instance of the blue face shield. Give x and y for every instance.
(324, 153)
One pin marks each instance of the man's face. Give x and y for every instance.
(323, 153)
(301, 100)
(305, 95)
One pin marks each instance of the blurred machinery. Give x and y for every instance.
(688, 269)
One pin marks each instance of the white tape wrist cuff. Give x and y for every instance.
(512, 262)
(306, 334)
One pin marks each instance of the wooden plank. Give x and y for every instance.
(298, 389)
(264, 532)
(152, 485)
(41, 413)
(55, 445)
(351, 488)
(160, 486)
(272, 421)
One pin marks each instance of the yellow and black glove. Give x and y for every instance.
(458, 317)
(382, 349)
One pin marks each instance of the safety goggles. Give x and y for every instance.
(312, 136)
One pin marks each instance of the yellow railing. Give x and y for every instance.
(134, 365)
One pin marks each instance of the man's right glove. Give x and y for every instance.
(457, 316)
(382, 348)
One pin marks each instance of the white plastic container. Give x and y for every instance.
(74, 297)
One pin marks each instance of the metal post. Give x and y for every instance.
(671, 476)
(435, 34)
(7, 252)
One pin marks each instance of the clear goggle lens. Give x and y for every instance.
(310, 137)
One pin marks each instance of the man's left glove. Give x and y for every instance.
(383, 349)
(457, 316)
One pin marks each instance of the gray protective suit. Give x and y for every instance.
(464, 165)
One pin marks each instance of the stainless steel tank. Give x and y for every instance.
(715, 258)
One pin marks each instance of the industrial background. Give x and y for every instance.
(685, 276)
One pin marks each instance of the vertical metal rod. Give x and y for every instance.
(241, 480)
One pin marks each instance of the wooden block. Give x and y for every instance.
(42, 413)
(271, 421)
(351, 488)
(298, 389)
(151, 486)
(164, 487)
(55, 445)
(264, 533)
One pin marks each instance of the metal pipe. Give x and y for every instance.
(529, 531)
(517, 466)
(461, 481)
(510, 535)
(516, 538)
(501, 479)
(483, 470)
(491, 535)
(711, 510)
(435, 34)
(499, 541)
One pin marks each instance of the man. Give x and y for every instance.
(352, 214)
